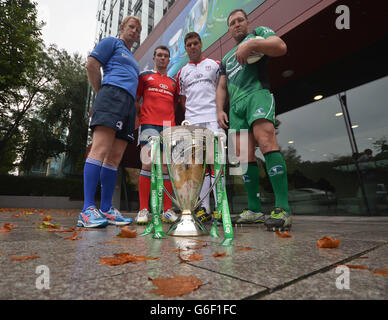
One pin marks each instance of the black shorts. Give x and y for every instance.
(115, 108)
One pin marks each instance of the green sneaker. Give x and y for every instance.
(279, 220)
(249, 217)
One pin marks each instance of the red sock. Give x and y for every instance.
(144, 189)
(167, 203)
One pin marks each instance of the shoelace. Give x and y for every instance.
(116, 212)
(95, 213)
(143, 212)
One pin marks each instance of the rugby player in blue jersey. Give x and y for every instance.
(113, 121)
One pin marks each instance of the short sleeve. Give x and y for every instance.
(181, 90)
(104, 50)
(264, 32)
(140, 87)
(222, 70)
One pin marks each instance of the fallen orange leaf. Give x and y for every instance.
(219, 255)
(126, 232)
(110, 242)
(23, 258)
(381, 272)
(191, 257)
(327, 242)
(244, 249)
(285, 234)
(7, 227)
(351, 266)
(63, 230)
(122, 258)
(74, 237)
(176, 286)
(47, 218)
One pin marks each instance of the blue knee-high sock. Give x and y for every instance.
(108, 177)
(92, 170)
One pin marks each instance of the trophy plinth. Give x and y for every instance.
(187, 225)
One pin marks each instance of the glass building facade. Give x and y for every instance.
(325, 175)
(335, 147)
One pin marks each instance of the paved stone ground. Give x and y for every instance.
(274, 269)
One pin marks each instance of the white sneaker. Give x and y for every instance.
(169, 216)
(248, 216)
(143, 216)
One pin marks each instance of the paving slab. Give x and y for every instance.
(259, 265)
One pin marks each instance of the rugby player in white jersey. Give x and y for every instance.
(197, 84)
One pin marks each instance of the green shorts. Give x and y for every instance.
(259, 104)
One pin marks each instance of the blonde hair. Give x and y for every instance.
(126, 20)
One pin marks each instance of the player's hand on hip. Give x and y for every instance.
(223, 119)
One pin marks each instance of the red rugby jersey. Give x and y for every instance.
(159, 93)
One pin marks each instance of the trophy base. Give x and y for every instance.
(187, 226)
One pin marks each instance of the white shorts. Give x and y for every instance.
(215, 127)
(212, 125)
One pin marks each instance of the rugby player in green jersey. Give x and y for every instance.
(252, 108)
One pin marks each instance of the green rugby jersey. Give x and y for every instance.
(243, 79)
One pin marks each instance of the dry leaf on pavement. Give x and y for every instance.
(285, 234)
(122, 258)
(219, 255)
(176, 286)
(191, 257)
(126, 232)
(381, 272)
(7, 227)
(24, 258)
(74, 237)
(243, 249)
(327, 242)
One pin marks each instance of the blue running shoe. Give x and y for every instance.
(115, 217)
(91, 218)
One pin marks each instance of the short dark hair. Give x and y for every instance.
(233, 12)
(163, 48)
(191, 35)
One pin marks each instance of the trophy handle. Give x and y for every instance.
(207, 193)
(171, 197)
(218, 135)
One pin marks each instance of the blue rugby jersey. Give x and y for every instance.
(119, 66)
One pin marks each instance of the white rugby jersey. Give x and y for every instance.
(198, 82)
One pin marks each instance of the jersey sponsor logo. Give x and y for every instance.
(232, 66)
(124, 55)
(259, 112)
(275, 171)
(161, 91)
(208, 68)
(119, 125)
(163, 86)
(199, 75)
(150, 78)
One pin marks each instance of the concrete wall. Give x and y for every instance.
(39, 202)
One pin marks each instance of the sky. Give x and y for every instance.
(70, 24)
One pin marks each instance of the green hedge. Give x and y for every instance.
(41, 186)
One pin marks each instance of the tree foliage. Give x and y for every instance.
(59, 123)
(20, 44)
(42, 93)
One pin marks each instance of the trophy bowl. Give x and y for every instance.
(186, 157)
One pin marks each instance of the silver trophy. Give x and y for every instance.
(186, 149)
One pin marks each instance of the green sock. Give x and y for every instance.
(277, 172)
(251, 183)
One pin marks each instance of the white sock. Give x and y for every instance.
(205, 188)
